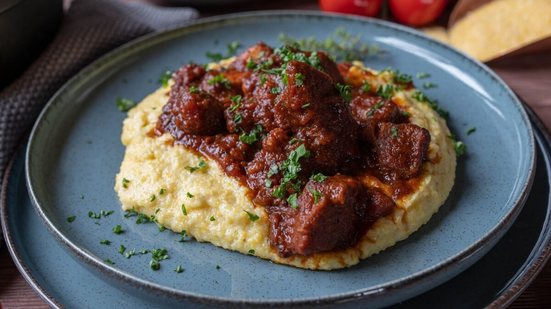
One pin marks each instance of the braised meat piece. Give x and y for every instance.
(331, 215)
(369, 111)
(188, 74)
(191, 112)
(252, 57)
(400, 150)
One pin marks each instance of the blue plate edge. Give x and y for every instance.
(461, 261)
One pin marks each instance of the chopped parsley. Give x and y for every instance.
(253, 217)
(319, 177)
(155, 265)
(71, 218)
(299, 79)
(366, 87)
(157, 255)
(459, 147)
(152, 198)
(178, 269)
(108, 261)
(184, 210)
(422, 75)
(106, 213)
(94, 215)
(105, 242)
(345, 91)
(124, 104)
(275, 90)
(218, 267)
(183, 235)
(162, 191)
(429, 85)
(471, 131)
(212, 218)
(251, 251)
(251, 137)
(125, 183)
(122, 248)
(220, 80)
(268, 183)
(386, 91)
(202, 164)
(290, 169)
(401, 78)
(165, 78)
(238, 118)
(193, 89)
(189, 195)
(236, 100)
(118, 229)
(250, 64)
(293, 200)
(375, 107)
(315, 194)
(305, 106)
(394, 132)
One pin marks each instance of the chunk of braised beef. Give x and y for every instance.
(188, 74)
(400, 150)
(330, 67)
(252, 57)
(229, 151)
(263, 173)
(191, 112)
(219, 85)
(369, 111)
(331, 215)
(239, 116)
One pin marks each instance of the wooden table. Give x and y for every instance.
(530, 77)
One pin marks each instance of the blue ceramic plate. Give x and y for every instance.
(74, 152)
(508, 268)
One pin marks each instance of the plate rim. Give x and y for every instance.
(375, 291)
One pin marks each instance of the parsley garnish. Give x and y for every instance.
(459, 147)
(305, 106)
(252, 136)
(366, 87)
(218, 267)
(471, 131)
(157, 255)
(345, 91)
(385, 91)
(251, 251)
(94, 215)
(71, 218)
(220, 79)
(293, 200)
(319, 177)
(152, 198)
(193, 89)
(165, 77)
(375, 107)
(125, 183)
(394, 132)
(423, 75)
(428, 85)
(316, 194)
(275, 90)
(253, 217)
(402, 78)
(290, 169)
(236, 100)
(178, 269)
(155, 265)
(250, 64)
(183, 235)
(124, 105)
(238, 118)
(189, 195)
(108, 261)
(299, 79)
(184, 210)
(105, 242)
(421, 97)
(202, 164)
(212, 218)
(122, 249)
(162, 191)
(118, 229)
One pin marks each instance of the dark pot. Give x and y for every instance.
(26, 27)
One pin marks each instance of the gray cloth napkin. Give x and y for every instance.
(90, 29)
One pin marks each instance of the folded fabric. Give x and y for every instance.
(90, 29)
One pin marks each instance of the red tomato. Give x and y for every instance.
(417, 12)
(357, 7)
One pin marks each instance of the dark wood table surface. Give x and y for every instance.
(529, 77)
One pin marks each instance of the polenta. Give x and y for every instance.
(288, 155)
